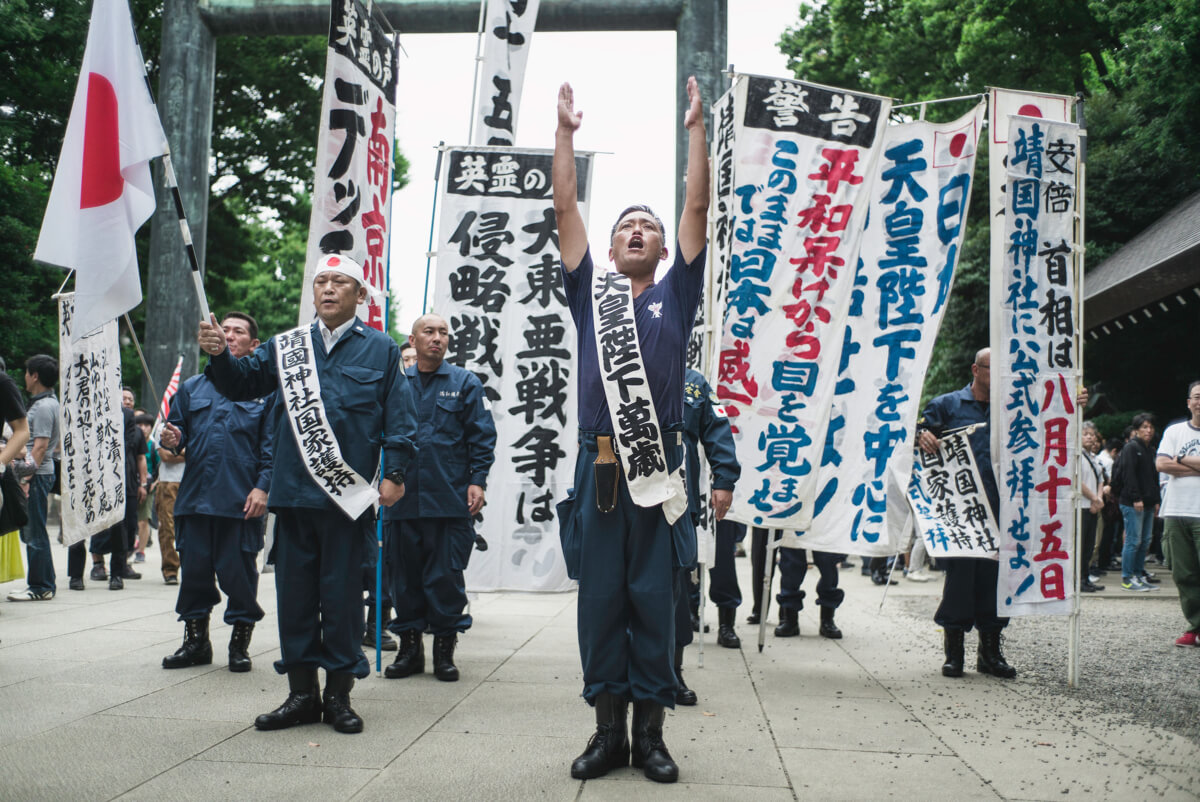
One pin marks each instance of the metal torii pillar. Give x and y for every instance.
(185, 95)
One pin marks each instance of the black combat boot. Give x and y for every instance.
(648, 752)
(336, 703)
(953, 639)
(410, 659)
(239, 647)
(789, 623)
(609, 746)
(991, 659)
(725, 635)
(443, 658)
(386, 642)
(683, 694)
(302, 706)
(828, 628)
(196, 649)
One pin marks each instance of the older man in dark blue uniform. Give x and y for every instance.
(363, 402)
(623, 554)
(430, 533)
(704, 422)
(220, 506)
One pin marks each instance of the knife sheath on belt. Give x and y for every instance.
(607, 473)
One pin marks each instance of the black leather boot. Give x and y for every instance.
(991, 659)
(683, 694)
(302, 706)
(196, 649)
(648, 751)
(239, 646)
(828, 628)
(386, 642)
(410, 659)
(443, 658)
(789, 623)
(725, 635)
(336, 703)
(953, 640)
(608, 747)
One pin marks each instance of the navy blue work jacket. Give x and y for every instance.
(228, 449)
(367, 402)
(954, 411)
(456, 440)
(702, 424)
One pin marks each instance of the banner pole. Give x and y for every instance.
(700, 617)
(1081, 560)
(437, 177)
(141, 357)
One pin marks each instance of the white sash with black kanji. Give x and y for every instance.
(296, 363)
(639, 442)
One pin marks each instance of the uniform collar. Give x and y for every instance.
(443, 370)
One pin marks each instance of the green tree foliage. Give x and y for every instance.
(267, 104)
(1133, 60)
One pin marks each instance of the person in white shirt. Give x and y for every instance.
(1179, 458)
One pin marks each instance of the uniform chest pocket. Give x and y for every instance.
(361, 391)
(448, 414)
(250, 409)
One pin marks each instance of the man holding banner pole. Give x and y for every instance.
(623, 528)
(341, 396)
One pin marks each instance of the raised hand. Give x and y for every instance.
(695, 112)
(568, 118)
(212, 336)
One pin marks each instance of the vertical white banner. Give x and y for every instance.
(1035, 372)
(804, 158)
(352, 188)
(499, 287)
(93, 430)
(508, 35)
(949, 502)
(910, 250)
(1002, 103)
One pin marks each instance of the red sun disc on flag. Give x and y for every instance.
(101, 182)
(957, 144)
(1029, 110)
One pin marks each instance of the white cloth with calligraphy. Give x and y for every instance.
(301, 389)
(647, 487)
(92, 426)
(949, 502)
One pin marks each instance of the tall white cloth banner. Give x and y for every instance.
(508, 34)
(352, 186)
(1036, 370)
(804, 156)
(914, 233)
(92, 426)
(499, 287)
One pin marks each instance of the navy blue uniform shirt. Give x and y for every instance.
(228, 449)
(954, 411)
(702, 424)
(663, 314)
(367, 402)
(456, 443)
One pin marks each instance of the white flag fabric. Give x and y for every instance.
(93, 429)
(1037, 369)
(910, 250)
(508, 33)
(352, 186)
(804, 157)
(949, 503)
(103, 190)
(499, 286)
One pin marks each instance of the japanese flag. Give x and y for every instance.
(103, 190)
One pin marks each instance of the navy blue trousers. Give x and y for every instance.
(371, 554)
(626, 563)
(969, 596)
(218, 550)
(793, 566)
(426, 560)
(318, 589)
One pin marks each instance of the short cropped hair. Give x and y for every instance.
(44, 367)
(143, 419)
(1143, 418)
(251, 323)
(639, 207)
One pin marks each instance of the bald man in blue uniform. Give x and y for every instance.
(626, 558)
(220, 506)
(318, 548)
(429, 532)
